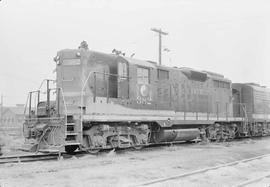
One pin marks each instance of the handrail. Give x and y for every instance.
(64, 101)
(41, 84)
(243, 105)
(65, 106)
(44, 81)
(84, 84)
(243, 109)
(83, 87)
(25, 107)
(62, 92)
(111, 74)
(45, 118)
(38, 90)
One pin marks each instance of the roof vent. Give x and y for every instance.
(195, 75)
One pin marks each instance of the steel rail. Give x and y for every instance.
(252, 180)
(160, 180)
(28, 158)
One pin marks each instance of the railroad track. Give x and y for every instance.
(201, 171)
(28, 158)
(40, 157)
(252, 181)
(56, 156)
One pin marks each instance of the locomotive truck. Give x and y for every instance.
(103, 101)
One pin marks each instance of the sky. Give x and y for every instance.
(229, 37)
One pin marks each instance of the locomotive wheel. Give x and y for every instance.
(138, 147)
(93, 151)
(70, 149)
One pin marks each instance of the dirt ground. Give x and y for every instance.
(232, 175)
(128, 168)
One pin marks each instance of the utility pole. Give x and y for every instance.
(160, 33)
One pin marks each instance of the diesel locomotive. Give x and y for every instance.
(103, 101)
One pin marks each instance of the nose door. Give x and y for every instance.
(70, 75)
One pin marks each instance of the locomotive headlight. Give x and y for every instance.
(78, 54)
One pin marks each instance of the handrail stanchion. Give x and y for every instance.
(30, 103)
(25, 107)
(65, 107)
(95, 87)
(38, 96)
(58, 102)
(62, 92)
(84, 84)
(107, 89)
(48, 98)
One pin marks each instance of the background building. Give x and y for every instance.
(12, 119)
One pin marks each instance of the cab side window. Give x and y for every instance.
(162, 74)
(143, 75)
(122, 70)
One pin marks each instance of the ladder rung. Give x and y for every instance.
(70, 124)
(72, 143)
(72, 133)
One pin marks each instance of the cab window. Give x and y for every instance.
(122, 70)
(143, 75)
(162, 74)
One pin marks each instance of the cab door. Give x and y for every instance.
(123, 80)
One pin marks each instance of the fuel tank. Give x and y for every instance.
(170, 135)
